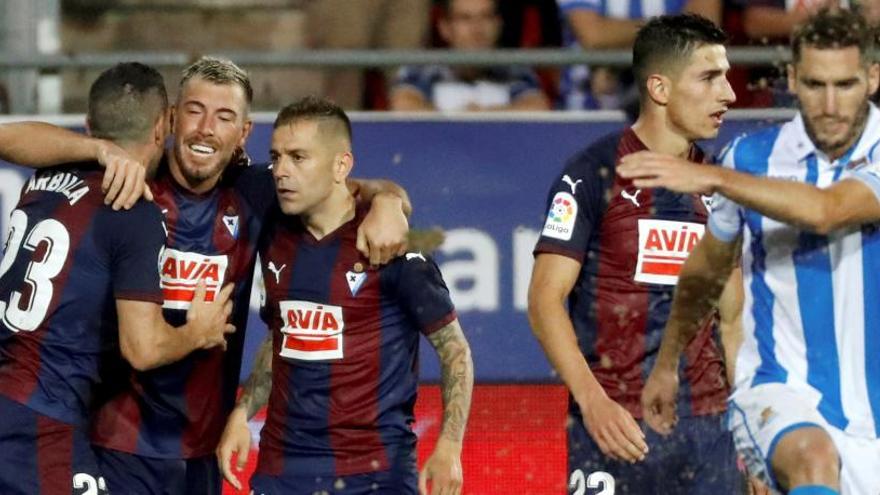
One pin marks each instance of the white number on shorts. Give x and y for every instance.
(39, 274)
(600, 479)
(90, 485)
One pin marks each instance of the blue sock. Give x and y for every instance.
(813, 490)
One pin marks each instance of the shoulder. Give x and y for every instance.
(600, 156)
(751, 148)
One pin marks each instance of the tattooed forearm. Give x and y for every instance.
(256, 389)
(457, 380)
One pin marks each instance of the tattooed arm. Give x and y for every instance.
(237, 436)
(457, 383)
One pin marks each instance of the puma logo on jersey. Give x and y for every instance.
(181, 271)
(634, 197)
(311, 331)
(664, 245)
(572, 184)
(415, 256)
(276, 271)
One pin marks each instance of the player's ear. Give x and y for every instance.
(873, 78)
(658, 87)
(342, 165)
(791, 75)
(248, 126)
(88, 127)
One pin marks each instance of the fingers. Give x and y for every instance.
(132, 188)
(148, 193)
(116, 184)
(199, 293)
(226, 293)
(224, 458)
(375, 255)
(109, 174)
(361, 244)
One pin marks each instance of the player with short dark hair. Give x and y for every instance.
(78, 285)
(799, 203)
(157, 431)
(341, 357)
(613, 252)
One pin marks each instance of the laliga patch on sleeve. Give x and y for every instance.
(561, 217)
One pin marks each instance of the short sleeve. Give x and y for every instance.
(138, 238)
(573, 209)
(523, 81)
(423, 294)
(726, 218)
(414, 78)
(868, 174)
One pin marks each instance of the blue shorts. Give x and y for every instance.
(131, 474)
(42, 455)
(402, 479)
(697, 458)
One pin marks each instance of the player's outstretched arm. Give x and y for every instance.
(147, 341)
(383, 233)
(730, 307)
(611, 426)
(821, 210)
(443, 468)
(700, 283)
(39, 144)
(236, 437)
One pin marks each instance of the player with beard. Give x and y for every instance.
(803, 198)
(157, 431)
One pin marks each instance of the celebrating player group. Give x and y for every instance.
(125, 282)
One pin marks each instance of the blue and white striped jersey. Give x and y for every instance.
(812, 308)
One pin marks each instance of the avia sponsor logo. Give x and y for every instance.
(561, 217)
(312, 332)
(180, 272)
(664, 245)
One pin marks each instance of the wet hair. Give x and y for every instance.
(219, 71)
(840, 29)
(317, 109)
(665, 42)
(125, 102)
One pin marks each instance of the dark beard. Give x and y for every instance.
(835, 150)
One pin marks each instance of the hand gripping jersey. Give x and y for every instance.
(68, 258)
(179, 410)
(345, 344)
(632, 244)
(811, 318)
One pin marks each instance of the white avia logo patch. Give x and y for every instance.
(572, 184)
(634, 197)
(231, 224)
(312, 332)
(561, 217)
(180, 272)
(276, 271)
(664, 245)
(355, 281)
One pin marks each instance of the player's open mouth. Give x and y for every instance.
(201, 149)
(719, 115)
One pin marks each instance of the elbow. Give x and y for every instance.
(824, 221)
(139, 357)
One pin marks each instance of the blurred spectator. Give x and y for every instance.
(363, 24)
(870, 9)
(468, 25)
(604, 24)
(4, 99)
(772, 21)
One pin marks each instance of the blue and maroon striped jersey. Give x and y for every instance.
(179, 410)
(345, 341)
(632, 244)
(67, 259)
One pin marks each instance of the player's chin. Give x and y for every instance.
(290, 207)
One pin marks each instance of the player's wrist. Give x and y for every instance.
(448, 445)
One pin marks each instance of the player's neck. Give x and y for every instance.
(331, 213)
(143, 153)
(658, 136)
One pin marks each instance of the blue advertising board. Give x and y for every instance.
(485, 184)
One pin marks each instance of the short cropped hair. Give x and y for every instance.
(840, 29)
(126, 101)
(667, 41)
(219, 71)
(313, 108)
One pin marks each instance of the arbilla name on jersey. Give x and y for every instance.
(311, 331)
(181, 271)
(664, 245)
